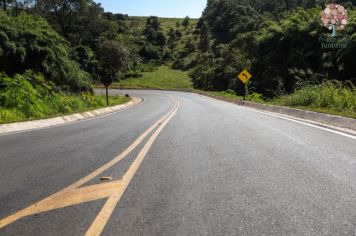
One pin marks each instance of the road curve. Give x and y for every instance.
(179, 164)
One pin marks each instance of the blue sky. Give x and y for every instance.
(162, 8)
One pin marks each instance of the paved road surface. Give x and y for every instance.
(180, 164)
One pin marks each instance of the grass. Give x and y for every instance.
(226, 94)
(166, 23)
(163, 78)
(348, 114)
(230, 95)
(332, 97)
(57, 106)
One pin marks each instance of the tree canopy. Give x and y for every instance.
(278, 41)
(29, 43)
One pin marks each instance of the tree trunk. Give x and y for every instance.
(16, 8)
(4, 4)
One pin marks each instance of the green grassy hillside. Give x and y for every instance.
(162, 78)
(166, 23)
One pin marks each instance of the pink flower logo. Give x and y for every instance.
(334, 17)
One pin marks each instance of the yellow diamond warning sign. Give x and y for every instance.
(245, 76)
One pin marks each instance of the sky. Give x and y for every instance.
(161, 8)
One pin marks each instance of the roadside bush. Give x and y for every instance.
(230, 91)
(178, 64)
(255, 97)
(18, 92)
(336, 95)
(150, 52)
(29, 43)
(29, 96)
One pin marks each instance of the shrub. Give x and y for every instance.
(334, 95)
(255, 97)
(230, 91)
(29, 96)
(29, 43)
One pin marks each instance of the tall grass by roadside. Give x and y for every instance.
(29, 97)
(334, 96)
(330, 97)
(57, 105)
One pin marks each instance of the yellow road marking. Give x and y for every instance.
(70, 198)
(102, 218)
(74, 194)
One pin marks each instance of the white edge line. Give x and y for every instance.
(281, 117)
(144, 100)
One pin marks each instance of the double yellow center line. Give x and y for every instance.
(75, 194)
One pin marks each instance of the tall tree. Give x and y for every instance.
(173, 37)
(204, 41)
(153, 32)
(77, 20)
(186, 22)
(113, 60)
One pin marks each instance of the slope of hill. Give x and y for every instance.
(162, 78)
(166, 23)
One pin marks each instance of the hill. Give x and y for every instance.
(162, 78)
(166, 23)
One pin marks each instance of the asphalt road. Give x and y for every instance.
(203, 167)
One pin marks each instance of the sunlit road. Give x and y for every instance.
(178, 164)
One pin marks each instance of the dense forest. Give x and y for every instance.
(75, 42)
(51, 51)
(278, 41)
(63, 40)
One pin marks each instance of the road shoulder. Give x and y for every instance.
(63, 120)
(339, 123)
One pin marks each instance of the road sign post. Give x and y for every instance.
(245, 77)
(107, 95)
(245, 90)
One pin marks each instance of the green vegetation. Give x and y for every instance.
(162, 78)
(64, 41)
(28, 97)
(166, 23)
(331, 97)
(28, 42)
(231, 95)
(73, 43)
(278, 42)
(50, 52)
